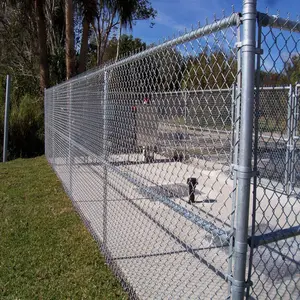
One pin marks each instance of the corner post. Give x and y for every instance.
(244, 170)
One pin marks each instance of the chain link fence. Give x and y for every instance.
(274, 264)
(150, 150)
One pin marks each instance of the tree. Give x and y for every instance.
(113, 15)
(30, 15)
(126, 44)
(276, 76)
(42, 38)
(45, 28)
(292, 69)
(55, 16)
(159, 72)
(88, 9)
(272, 78)
(28, 55)
(70, 50)
(210, 70)
(168, 69)
(17, 43)
(34, 46)
(103, 16)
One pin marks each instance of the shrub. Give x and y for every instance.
(26, 127)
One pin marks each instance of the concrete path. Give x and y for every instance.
(164, 255)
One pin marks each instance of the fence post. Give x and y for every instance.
(295, 135)
(45, 124)
(71, 161)
(185, 123)
(6, 118)
(244, 168)
(234, 120)
(105, 156)
(53, 128)
(289, 144)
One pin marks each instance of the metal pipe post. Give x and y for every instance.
(6, 118)
(105, 115)
(295, 135)
(289, 145)
(45, 123)
(236, 98)
(294, 138)
(185, 124)
(244, 168)
(255, 152)
(235, 116)
(70, 154)
(53, 127)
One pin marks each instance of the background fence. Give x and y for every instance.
(149, 150)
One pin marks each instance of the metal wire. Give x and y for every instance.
(149, 150)
(275, 245)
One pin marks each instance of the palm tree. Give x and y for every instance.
(95, 14)
(89, 11)
(70, 51)
(42, 38)
(124, 9)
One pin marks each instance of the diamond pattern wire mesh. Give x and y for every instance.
(275, 266)
(125, 139)
(147, 149)
(273, 134)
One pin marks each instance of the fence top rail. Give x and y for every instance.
(279, 23)
(204, 91)
(178, 92)
(271, 88)
(232, 20)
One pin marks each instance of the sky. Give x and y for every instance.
(174, 16)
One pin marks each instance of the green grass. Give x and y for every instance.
(45, 250)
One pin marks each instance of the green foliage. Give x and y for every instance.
(57, 65)
(18, 45)
(46, 251)
(272, 78)
(163, 71)
(144, 11)
(159, 72)
(22, 85)
(115, 15)
(210, 70)
(25, 54)
(290, 74)
(292, 69)
(26, 127)
(127, 44)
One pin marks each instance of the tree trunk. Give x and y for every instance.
(119, 40)
(42, 39)
(103, 45)
(70, 51)
(84, 45)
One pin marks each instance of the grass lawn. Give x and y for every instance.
(45, 250)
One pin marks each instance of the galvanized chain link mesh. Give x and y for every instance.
(125, 141)
(147, 149)
(275, 266)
